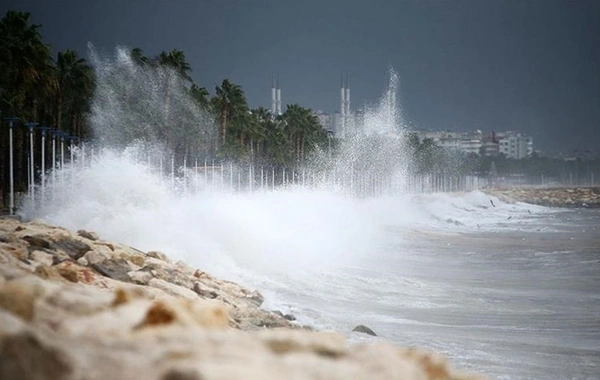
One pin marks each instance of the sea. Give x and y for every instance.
(508, 290)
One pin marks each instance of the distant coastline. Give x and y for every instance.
(572, 197)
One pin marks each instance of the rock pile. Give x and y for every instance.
(73, 306)
(588, 197)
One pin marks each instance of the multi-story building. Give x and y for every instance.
(515, 145)
(511, 144)
(471, 145)
(490, 145)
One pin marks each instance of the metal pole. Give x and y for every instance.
(196, 175)
(53, 164)
(173, 170)
(43, 173)
(205, 174)
(11, 165)
(31, 175)
(72, 152)
(213, 174)
(250, 178)
(32, 163)
(82, 148)
(222, 180)
(184, 174)
(12, 179)
(62, 151)
(62, 164)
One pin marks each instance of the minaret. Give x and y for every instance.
(278, 98)
(347, 113)
(342, 109)
(273, 97)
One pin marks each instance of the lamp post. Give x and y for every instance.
(44, 129)
(11, 198)
(72, 153)
(31, 125)
(54, 135)
(62, 136)
(71, 146)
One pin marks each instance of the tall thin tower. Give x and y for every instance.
(273, 96)
(342, 108)
(278, 98)
(347, 113)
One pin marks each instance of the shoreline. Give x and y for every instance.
(566, 197)
(81, 307)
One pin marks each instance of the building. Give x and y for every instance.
(515, 145)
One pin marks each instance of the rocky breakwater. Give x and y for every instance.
(588, 197)
(73, 306)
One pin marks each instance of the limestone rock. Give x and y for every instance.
(72, 247)
(364, 329)
(88, 235)
(41, 257)
(96, 256)
(158, 255)
(17, 299)
(140, 277)
(123, 318)
(24, 356)
(113, 268)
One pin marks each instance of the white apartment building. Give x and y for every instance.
(472, 145)
(515, 145)
(511, 144)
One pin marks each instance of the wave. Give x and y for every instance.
(291, 231)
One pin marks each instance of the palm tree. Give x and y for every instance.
(175, 59)
(228, 103)
(176, 69)
(137, 55)
(201, 96)
(24, 62)
(74, 88)
(24, 59)
(302, 126)
(262, 121)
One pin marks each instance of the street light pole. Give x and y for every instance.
(31, 125)
(43, 173)
(62, 150)
(11, 121)
(54, 134)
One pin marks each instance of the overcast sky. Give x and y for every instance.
(531, 66)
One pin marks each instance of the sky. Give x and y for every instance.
(531, 66)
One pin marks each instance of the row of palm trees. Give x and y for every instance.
(58, 91)
(242, 133)
(36, 86)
